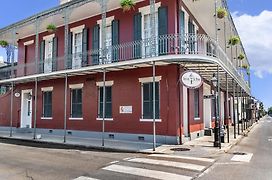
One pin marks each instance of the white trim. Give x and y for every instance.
(150, 120)
(107, 83)
(77, 29)
(106, 119)
(49, 37)
(28, 42)
(46, 118)
(108, 21)
(22, 106)
(197, 118)
(46, 89)
(150, 79)
(75, 119)
(76, 86)
(146, 9)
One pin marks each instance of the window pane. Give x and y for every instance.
(108, 105)
(148, 101)
(76, 103)
(47, 104)
(196, 102)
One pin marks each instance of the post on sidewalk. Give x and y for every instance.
(11, 109)
(227, 108)
(233, 106)
(238, 114)
(65, 108)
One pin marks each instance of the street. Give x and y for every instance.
(256, 164)
(250, 159)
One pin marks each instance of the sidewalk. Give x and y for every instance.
(201, 147)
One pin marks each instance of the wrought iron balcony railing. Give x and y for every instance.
(171, 44)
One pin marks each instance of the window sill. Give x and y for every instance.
(197, 119)
(46, 118)
(75, 119)
(106, 119)
(150, 120)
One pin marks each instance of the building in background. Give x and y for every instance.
(99, 69)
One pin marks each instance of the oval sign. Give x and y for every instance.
(17, 94)
(191, 79)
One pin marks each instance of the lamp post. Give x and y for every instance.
(216, 143)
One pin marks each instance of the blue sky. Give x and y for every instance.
(253, 19)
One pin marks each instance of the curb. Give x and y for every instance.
(240, 137)
(57, 145)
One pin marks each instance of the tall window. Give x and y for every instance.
(76, 103)
(48, 55)
(196, 102)
(108, 104)
(77, 50)
(147, 32)
(47, 104)
(108, 42)
(147, 100)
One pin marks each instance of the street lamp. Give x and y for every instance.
(216, 143)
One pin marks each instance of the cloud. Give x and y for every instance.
(256, 35)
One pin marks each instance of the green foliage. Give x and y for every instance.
(270, 111)
(241, 56)
(127, 4)
(51, 28)
(3, 43)
(221, 13)
(234, 40)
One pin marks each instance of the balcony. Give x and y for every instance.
(195, 52)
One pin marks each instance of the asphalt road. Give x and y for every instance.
(18, 162)
(256, 164)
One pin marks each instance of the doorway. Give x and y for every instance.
(26, 109)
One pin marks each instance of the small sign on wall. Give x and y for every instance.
(125, 109)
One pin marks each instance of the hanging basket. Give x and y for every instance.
(245, 67)
(234, 40)
(51, 28)
(221, 13)
(127, 5)
(241, 56)
(3, 43)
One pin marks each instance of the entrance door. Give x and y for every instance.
(185, 112)
(26, 109)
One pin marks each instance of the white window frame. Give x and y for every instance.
(48, 39)
(108, 23)
(46, 89)
(72, 87)
(99, 85)
(146, 11)
(76, 30)
(149, 80)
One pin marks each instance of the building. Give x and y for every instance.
(102, 68)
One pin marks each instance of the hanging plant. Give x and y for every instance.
(234, 40)
(245, 66)
(3, 43)
(241, 56)
(127, 5)
(248, 72)
(51, 28)
(221, 13)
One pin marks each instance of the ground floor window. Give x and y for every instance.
(196, 103)
(108, 102)
(76, 103)
(47, 104)
(147, 100)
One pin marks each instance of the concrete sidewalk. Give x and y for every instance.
(201, 147)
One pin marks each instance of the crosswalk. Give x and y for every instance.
(155, 166)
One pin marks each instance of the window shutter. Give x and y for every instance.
(163, 29)
(70, 51)
(95, 44)
(182, 31)
(137, 23)
(85, 47)
(55, 53)
(42, 48)
(115, 39)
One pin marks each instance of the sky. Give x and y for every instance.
(253, 19)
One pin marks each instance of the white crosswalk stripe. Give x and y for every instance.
(169, 163)
(146, 173)
(85, 178)
(183, 157)
(242, 158)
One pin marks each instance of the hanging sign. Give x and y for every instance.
(191, 79)
(17, 94)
